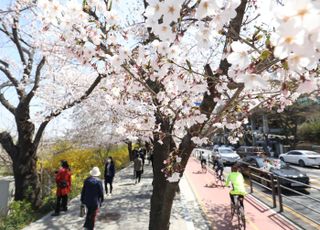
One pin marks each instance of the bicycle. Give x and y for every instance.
(239, 211)
(203, 167)
(219, 177)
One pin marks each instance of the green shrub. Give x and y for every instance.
(20, 215)
(310, 131)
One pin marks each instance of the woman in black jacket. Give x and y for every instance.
(109, 172)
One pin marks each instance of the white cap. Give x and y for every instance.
(95, 171)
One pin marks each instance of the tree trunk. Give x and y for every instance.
(27, 185)
(163, 192)
(130, 152)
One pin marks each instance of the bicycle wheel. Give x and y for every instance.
(232, 211)
(241, 218)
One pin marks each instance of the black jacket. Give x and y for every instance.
(92, 192)
(111, 172)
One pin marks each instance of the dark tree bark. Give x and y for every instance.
(130, 152)
(163, 192)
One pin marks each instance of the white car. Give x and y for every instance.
(301, 157)
(227, 154)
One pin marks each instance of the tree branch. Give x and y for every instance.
(5, 84)
(36, 80)
(14, 81)
(7, 104)
(17, 42)
(68, 105)
(6, 142)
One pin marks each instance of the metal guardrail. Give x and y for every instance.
(274, 184)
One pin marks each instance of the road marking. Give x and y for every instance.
(273, 211)
(288, 209)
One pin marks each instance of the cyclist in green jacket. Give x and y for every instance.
(237, 182)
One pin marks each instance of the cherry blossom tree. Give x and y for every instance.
(36, 70)
(178, 71)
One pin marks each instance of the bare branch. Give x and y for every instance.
(5, 70)
(6, 142)
(36, 80)
(27, 70)
(5, 84)
(14, 81)
(139, 80)
(17, 41)
(7, 104)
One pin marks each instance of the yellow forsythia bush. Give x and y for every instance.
(81, 161)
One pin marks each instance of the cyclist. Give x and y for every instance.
(203, 164)
(218, 166)
(237, 181)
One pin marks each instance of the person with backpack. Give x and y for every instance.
(109, 172)
(63, 181)
(92, 197)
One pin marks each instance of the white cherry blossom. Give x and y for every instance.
(240, 56)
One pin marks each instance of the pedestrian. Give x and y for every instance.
(151, 158)
(63, 181)
(92, 197)
(135, 153)
(142, 155)
(109, 172)
(138, 167)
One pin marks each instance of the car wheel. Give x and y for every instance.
(282, 159)
(301, 163)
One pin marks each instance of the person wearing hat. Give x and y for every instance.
(63, 181)
(92, 197)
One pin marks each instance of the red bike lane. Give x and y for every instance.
(215, 203)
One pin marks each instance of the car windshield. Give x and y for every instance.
(225, 151)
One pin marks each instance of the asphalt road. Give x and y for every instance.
(298, 207)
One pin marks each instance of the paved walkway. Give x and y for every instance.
(128, 208)
(215, 202)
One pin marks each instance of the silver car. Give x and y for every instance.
(228, 155)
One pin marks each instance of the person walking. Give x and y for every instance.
(92, 197)
(63, 181)
(109, 172)
(138, 167)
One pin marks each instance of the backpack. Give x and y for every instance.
(63, 184)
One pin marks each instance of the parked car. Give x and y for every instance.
(301, 157)
(244, 151)
(227, 154)
(201, 152)
(280, 169)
